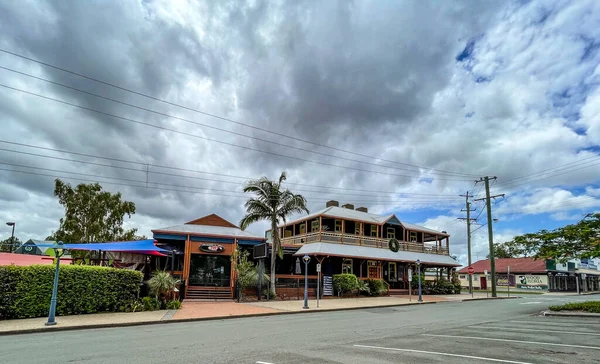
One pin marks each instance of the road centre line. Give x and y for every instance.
(443, 354)
(513, 341)
(529, 303)
(263, 362)
(534, 330)
(556, 323)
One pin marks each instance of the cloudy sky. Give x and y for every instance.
(398, 106)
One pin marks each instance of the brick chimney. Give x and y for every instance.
(348, 206)
(332, 203)
(362, 209)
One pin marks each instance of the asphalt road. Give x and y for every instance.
(502, 331)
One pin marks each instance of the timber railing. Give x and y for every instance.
(351, 239)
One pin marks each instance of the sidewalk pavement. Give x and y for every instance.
(192, 311)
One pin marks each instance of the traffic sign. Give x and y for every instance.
(470, 270)
(318, 267)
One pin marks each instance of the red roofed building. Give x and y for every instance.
(525, 274)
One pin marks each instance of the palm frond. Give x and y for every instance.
(250, 219)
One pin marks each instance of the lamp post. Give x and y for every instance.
(306, 260)
(12, 235)
(51, 315)
(418, 262)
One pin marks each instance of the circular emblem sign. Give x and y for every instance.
(212, 248)
(28, 248)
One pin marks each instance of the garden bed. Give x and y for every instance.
(588, 306)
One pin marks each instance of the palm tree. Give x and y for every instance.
(274, 204)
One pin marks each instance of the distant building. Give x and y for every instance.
(528, 274)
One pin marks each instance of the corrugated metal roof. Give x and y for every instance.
(353, 251)
(344, 213)
(208, 230)
(517, 265)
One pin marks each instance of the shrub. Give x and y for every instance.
(345, 283)
(587, 306)
(363, 288)
(150, 303)
(162, 285)
(376, 287)
(9, 278)
(81, 289)
(173, 305)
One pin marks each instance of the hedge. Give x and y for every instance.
(26, 291)
(345, 283)
(587, 306)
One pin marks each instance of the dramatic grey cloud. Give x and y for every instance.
(472, 88)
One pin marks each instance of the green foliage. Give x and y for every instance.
(91, 214)
(575, 241)
(376, 287)
(174, 305)
(26, 291)
(269, 294)
(344, 283)
(363, 288)
(588, 306)
(162, 285)
(8, 246)
(274, 204)
(10, 276)
(150, 303)
(439, 286)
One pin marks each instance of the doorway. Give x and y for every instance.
(210, 270)
(482, 283)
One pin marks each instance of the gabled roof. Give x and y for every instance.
(211, 220)
(517, 265)
(211, 225)
(350, 214)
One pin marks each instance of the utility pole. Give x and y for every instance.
(487, 198)
(468, 219)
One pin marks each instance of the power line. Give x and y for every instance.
(213, 115)
(287, 146)
(215, 140)
(416, 203)
(147, 171)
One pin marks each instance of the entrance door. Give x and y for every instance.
(483, 282)
(210, 270)
(373, 269)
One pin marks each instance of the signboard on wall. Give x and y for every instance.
(532, 282)
(505, 280)
(327, 286)
(259, 251)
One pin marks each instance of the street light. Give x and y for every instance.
(12, 235)
(306, 260)
(51, 315)
(418, 263)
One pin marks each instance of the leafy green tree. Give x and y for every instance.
(91, 214)
(272, 203)
(246, 271)
(575, 241)
(162, 285)
(6, 246)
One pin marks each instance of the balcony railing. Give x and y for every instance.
(350, 239)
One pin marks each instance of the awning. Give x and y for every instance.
(137, 247)
(353, 251)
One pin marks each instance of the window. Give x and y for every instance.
(374, 230)
(338, 225)
(462, 276)
(413, 237)
(391, 233)
(392, 272)
(357, 228)
(303, 228)
(314, 226)
(288, 233)
(347, 266)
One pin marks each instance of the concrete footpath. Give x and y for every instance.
(197, 311)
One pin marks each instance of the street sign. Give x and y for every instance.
(485, 272)
(410, 275)
(318, 267)
(470, 270)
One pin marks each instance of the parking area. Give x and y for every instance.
(533, 339)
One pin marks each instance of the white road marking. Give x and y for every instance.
(554, 322)
(444, 354)
(534, 330)
(529, 303)
(514, 341)
(262, 362)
